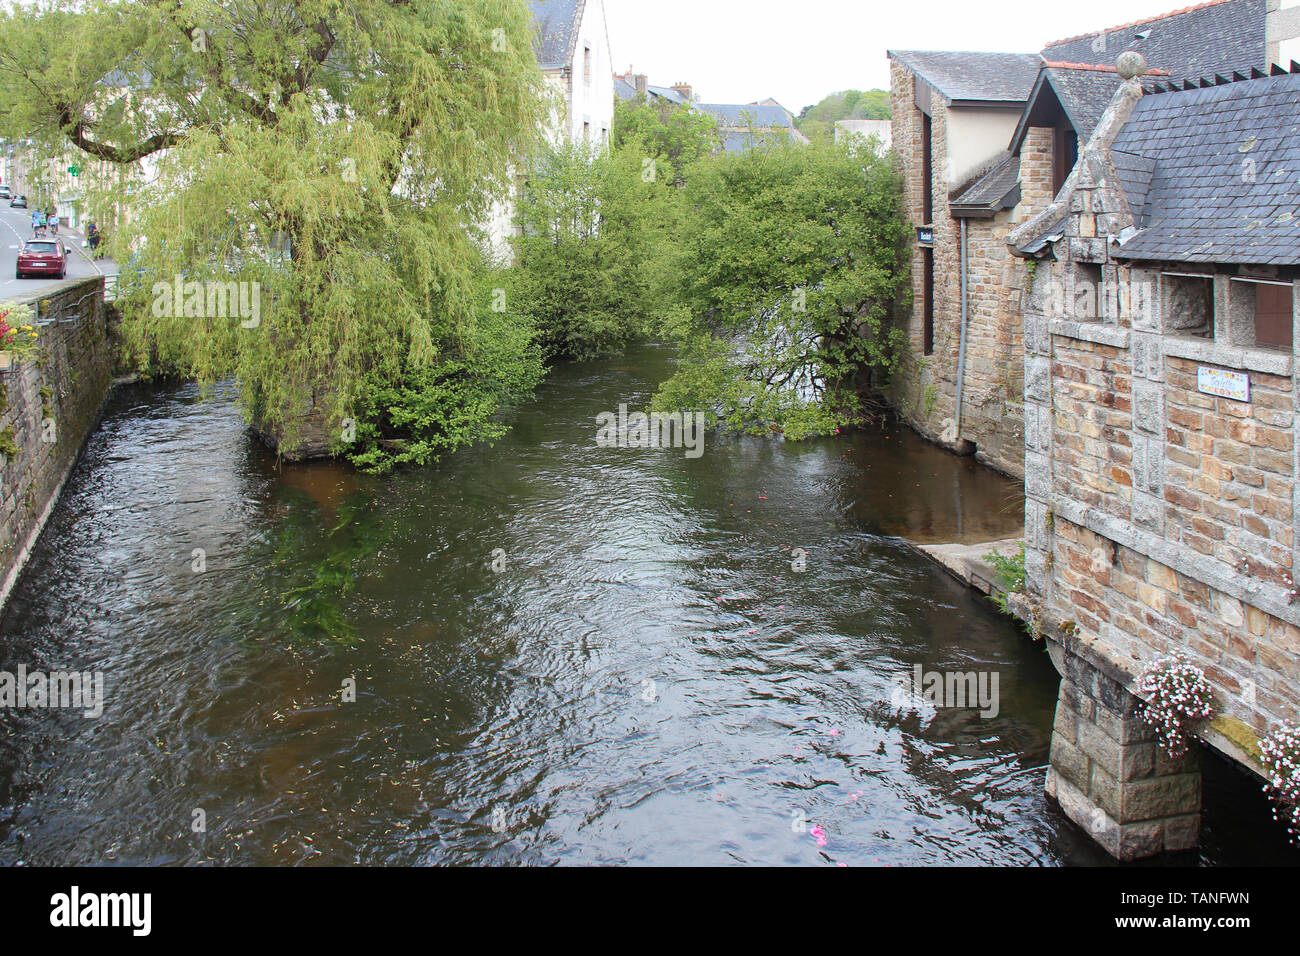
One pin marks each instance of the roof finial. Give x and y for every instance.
(1130, 64)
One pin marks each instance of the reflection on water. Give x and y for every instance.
(642, 678)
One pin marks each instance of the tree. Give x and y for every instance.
(329, 157)
(817, 122)
(674, 136)
(590, 269)
(793, 261)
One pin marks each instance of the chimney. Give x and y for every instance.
(1281, 26)
(684, 89)
(642, 84)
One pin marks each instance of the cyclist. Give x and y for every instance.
(53, 220)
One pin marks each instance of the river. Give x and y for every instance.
(561, 654)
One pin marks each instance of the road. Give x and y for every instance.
(15, 227)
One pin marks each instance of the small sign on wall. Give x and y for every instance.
(925, 235)
(1223, 383)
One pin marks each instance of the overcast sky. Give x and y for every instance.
(798, 51)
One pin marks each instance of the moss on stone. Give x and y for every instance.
(1239, 733)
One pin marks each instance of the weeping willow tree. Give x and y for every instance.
(306, 180)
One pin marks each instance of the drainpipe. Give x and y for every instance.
(961, 353)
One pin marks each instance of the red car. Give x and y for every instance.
(42, 257)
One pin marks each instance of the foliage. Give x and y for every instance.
(1280, 753)
(313, 593)
(329, 155)
(674, 136)
(17, 334)
(1010, 571)
(591, 266)
(435, 409)
(792, 262)
(817, 122)
(1178, 696)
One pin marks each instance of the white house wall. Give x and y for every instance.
(974, 137)
(591, 107)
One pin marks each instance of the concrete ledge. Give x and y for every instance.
(1096, 332)
(1266, 361)
(966, 562)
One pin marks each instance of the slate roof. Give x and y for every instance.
(982, 77)
(995, 190)
(742, 141)
(736, 116)
(1083, 92)
(557, 26)
(1184, 161)
(626, 90)
(1216, 37)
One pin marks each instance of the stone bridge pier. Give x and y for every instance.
(1108, 773)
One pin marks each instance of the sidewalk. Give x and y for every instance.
(103, 265)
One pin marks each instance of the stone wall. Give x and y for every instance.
(924, 388)
(1161, 519)
(49, 406)
(1158, 519)
(1108, 773)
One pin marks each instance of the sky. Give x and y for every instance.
(798, 51)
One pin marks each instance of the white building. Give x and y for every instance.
(573, 52)
(864, 129)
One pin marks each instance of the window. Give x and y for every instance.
(1085, 299)
(1187, 303)
(927, 172)
(927, 328)
(586, 65)
(1274, 310)
(1260, 313)
(1065, 153)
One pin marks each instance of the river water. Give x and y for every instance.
(561, 654)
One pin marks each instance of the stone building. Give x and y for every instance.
(1161, 469)
(952, 116)
(985, 140)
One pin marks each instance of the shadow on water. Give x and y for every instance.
(561, 653)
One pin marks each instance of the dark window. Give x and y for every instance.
(1273, 315)
(927, 330)
(1065, 154)
(927, 175)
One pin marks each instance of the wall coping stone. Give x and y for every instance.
(1267, 361)
(1096, 332)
